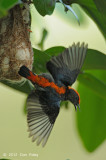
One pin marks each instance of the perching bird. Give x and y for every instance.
(43, 103)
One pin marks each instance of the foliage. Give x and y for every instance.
(91, 119)
(44, 35)
(96, 9)
(44, 7)
(4, 159)
(5, 5)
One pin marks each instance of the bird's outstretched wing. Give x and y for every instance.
(66, 66)
(41, 115)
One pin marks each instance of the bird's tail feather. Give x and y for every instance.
(24, 72)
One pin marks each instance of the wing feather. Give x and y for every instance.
(66, 66)
(41, 116)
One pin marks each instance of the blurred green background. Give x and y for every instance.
(67, 140)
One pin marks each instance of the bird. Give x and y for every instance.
(43, 103)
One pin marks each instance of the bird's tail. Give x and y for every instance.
(24, 72)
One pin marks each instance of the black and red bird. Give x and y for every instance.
(43, 103)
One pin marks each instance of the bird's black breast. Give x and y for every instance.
(49, 96)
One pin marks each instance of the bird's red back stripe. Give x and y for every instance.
(43, 82)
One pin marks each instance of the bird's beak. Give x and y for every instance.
(77, 106)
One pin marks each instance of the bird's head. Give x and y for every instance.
(73, 96)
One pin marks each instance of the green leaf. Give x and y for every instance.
(96, 85)
(5, 5)
(41, 58)
(54, 51)
(44, 7)
(44, 35)
(91, 119)
(25, 88)
(101, 76)
(94, 60)
(92, 10)
(4, 159)
(25, 107)
(8, 4)
(101, 6)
